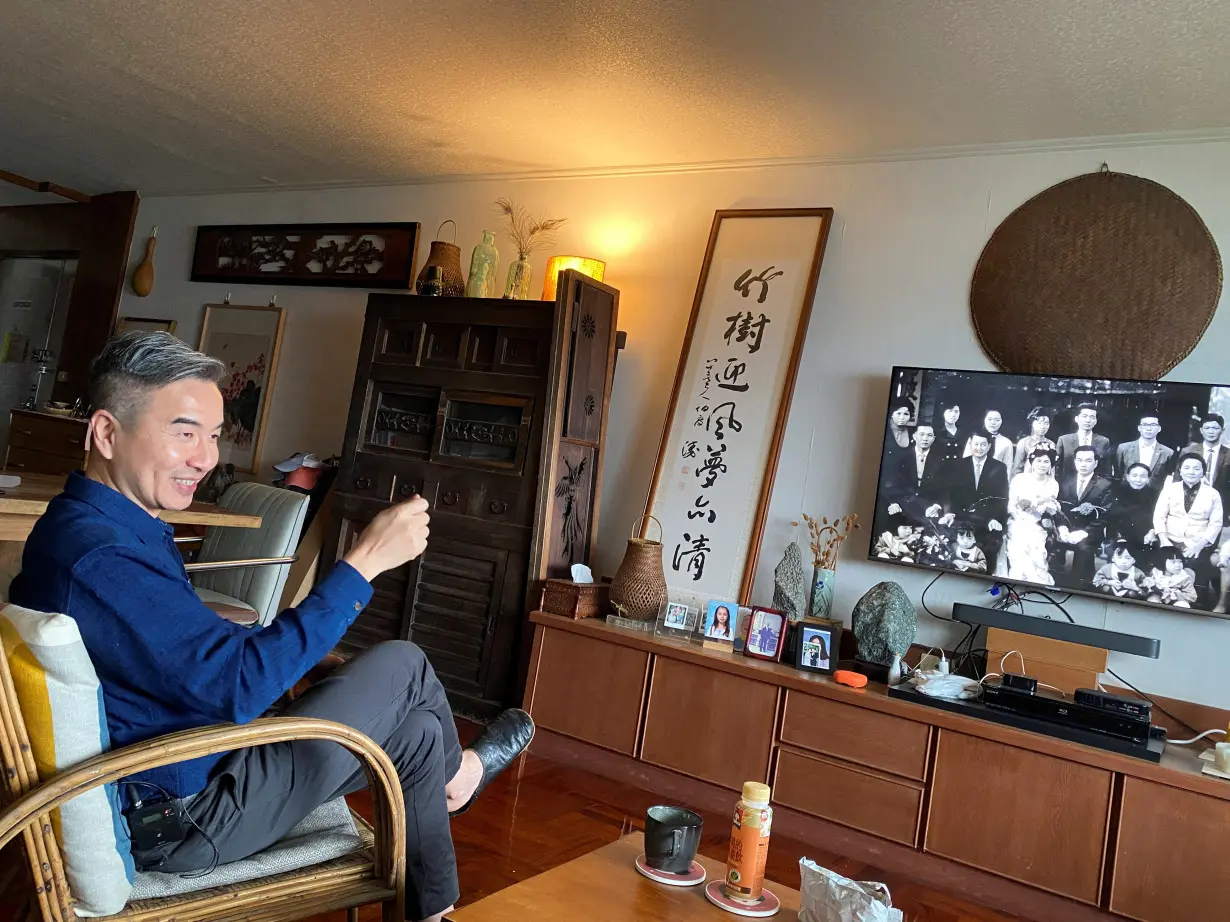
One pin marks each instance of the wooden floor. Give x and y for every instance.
(540, 814)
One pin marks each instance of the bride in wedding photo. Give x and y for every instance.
(1033, 496)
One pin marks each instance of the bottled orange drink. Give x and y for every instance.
(749, 844)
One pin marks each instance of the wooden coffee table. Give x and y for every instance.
(604, 886)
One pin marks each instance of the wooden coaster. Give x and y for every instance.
(695, 874)
(768, 905)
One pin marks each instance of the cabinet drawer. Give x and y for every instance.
(891, 744)
(589, 689)
(709, 724)
(48, 433)
(848, 795)
(31, 461)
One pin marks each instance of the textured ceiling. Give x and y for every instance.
(177, 96)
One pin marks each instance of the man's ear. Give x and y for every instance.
(102, 434)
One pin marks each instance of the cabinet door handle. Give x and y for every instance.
(363, 483)
(407, 489)
(24, 432)
(16, 464)
(450, 498)
(499, 507)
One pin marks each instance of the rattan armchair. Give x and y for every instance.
(375, 873)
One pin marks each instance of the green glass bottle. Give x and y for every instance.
(484, 268)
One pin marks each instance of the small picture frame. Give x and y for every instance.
(719, 627)
(677, 620)
(765, 635)
(819, 645)
(744, 616)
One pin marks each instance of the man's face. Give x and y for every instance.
(924, 436)
(160, 456)
(978, 446)
(1137, 478)
(1211, 432)
(951, 415)
(1149, 428)
(1086, 419)
(1085, 462)
(1192, 472)
(993, 421)
(901, 416)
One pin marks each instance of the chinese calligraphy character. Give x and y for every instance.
(721, 422)
(689, 449)
(731, 374)
(747, 327)
(744, 282)
(692, 559)
(700, 513)
(712, 466)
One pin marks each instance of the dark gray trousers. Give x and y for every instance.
(389, 692)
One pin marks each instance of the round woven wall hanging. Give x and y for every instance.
(1104, 275)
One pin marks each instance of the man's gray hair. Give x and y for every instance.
(133, 365)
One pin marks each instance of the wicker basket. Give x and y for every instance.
(638, 590)
(448, 257)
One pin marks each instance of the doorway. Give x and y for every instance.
(34, 297)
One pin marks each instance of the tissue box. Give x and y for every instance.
(574, 600)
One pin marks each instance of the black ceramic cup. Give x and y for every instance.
(672, 835)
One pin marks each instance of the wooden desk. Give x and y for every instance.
(604, 885)
(21, 506)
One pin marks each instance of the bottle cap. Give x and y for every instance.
(755, 793)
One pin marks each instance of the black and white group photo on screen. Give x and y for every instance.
(1110, 487)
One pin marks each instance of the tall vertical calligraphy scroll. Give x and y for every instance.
(718, 454)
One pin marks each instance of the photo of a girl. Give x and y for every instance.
(719, 624)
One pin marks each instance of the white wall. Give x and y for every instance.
(894, 289)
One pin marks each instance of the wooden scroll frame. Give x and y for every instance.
(771, 450)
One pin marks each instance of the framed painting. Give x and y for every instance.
(717, 457)
(380, 255)
(248, 340)
(145, 324)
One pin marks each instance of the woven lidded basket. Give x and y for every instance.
(638, 590)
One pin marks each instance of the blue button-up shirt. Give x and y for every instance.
(165, 661)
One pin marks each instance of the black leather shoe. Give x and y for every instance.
(505, 738)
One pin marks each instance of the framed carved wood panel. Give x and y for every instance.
(378, 255)
(592, 326)
(573, 495)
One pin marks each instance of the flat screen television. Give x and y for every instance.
(1107, 487)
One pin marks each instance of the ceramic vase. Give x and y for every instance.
(824, 582)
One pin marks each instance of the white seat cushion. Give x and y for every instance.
(326, 833)
(210, 597)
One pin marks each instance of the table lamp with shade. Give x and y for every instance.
(594, 268)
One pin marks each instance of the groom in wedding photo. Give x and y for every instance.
(1084, 498)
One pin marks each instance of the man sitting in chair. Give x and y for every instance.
(167, 663)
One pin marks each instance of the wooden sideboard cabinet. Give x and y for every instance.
(43, 443)
(495, 412)
(1038, 827)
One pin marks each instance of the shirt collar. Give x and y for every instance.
(115, 505)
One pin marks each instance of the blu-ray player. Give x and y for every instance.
(1056, 708)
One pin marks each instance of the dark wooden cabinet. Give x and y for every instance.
(495, 412)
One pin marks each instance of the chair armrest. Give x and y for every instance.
(239, 564)
(388, 804)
